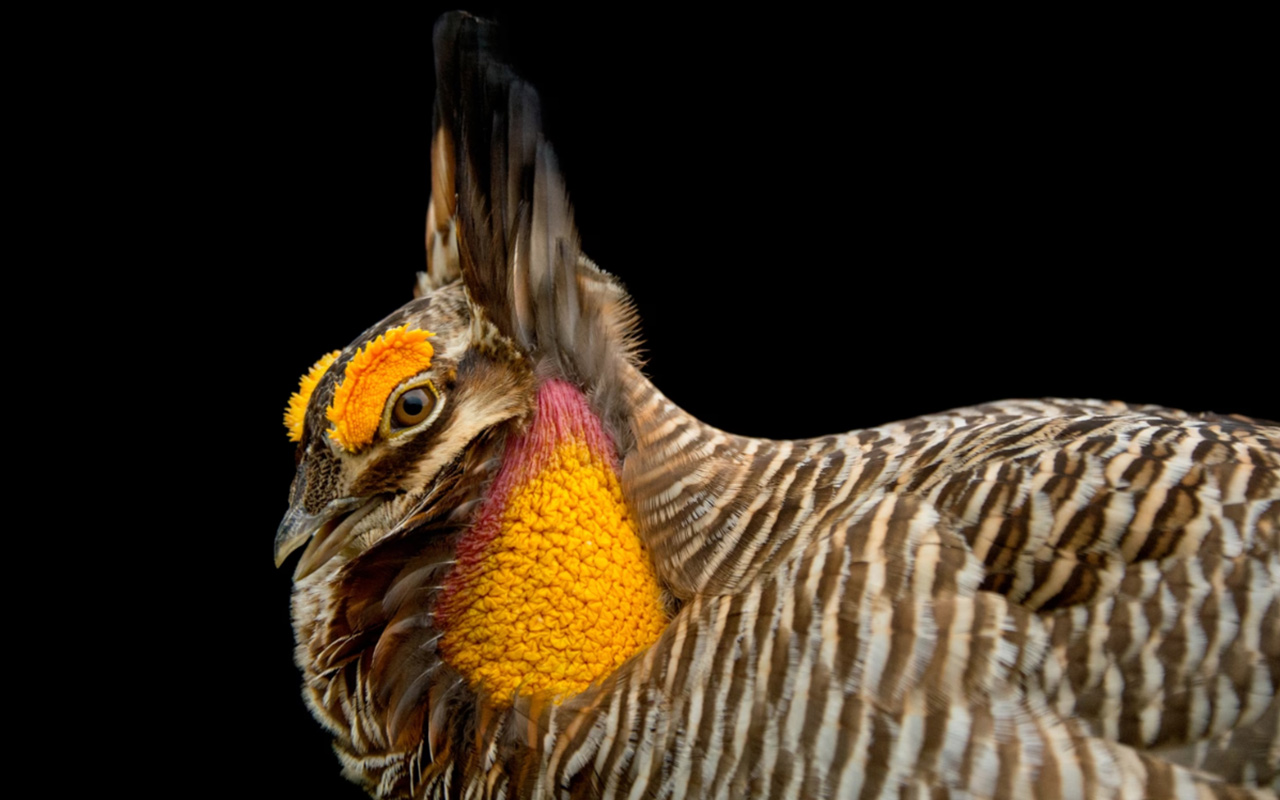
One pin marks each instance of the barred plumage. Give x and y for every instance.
(1022, 599)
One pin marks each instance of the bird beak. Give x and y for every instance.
(328, 530)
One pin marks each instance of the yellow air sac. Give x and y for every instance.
(553, 589)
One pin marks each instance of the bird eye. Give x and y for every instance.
(412, 407)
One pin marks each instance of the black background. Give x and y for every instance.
(826, 224)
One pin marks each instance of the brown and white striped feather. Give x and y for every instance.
(869, 666)
(1144, 538)
(1054, 496)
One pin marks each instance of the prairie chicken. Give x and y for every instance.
(528, 574)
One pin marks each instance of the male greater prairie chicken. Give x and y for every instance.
(527, 573)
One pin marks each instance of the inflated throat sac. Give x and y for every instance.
(553, 589)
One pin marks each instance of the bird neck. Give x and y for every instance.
(704, 500)
(553, 588)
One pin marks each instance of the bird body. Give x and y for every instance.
(528, 573)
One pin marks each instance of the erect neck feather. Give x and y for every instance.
(553, 589)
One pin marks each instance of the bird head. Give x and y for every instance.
(386, 424)
(419, 404)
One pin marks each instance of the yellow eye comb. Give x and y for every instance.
(296, 412)
(372, 374)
